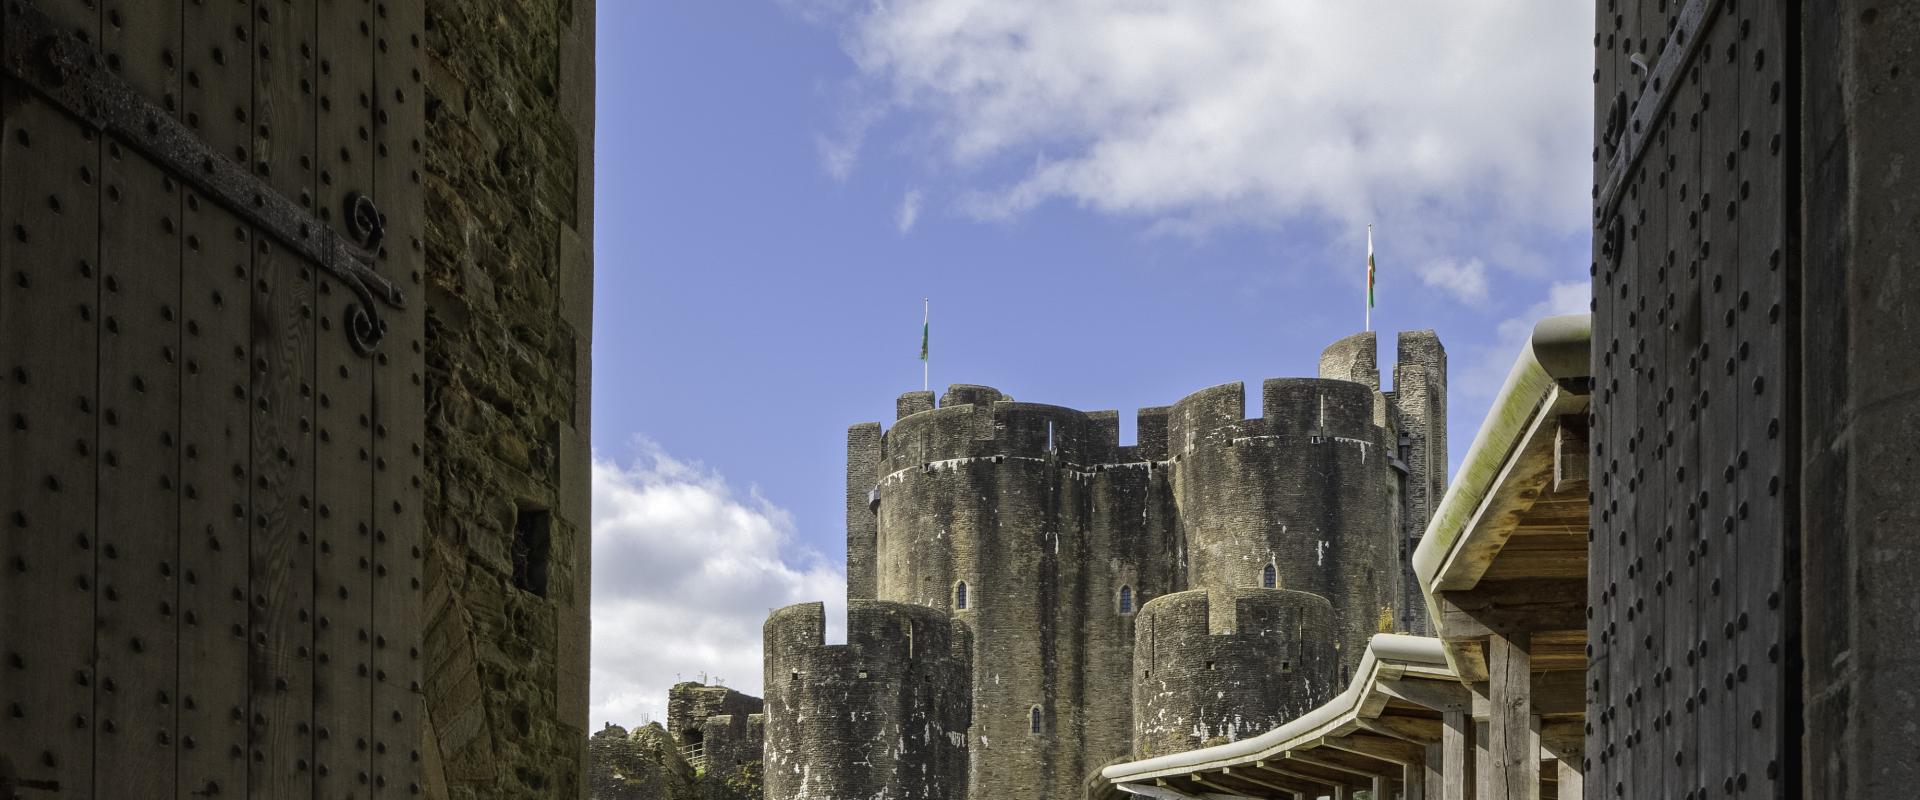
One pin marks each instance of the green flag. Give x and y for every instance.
(1369, 266)
(923, 333)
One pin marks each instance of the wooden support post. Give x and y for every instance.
(1457, 757)
(1513, 753)
(1435, 779)
(1382, 788)
(1482, 761)
(1570, 786)
(1570, 453)
(1413, 780)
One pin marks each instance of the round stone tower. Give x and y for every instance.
(1303, 497)
(884, 715)
(1034, 526)
(1217, 665)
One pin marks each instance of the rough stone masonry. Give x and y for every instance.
(1209, 582)
(509, 184)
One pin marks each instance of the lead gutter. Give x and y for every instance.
(1554, 359)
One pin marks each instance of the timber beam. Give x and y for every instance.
(1380, 748)
(1516, 606)
(1273, 781)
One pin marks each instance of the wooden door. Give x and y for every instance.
(1693, 581)
(211, 374)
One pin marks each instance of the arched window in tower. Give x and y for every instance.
(1033, 720)
(1269, 577)
(1126, 599)
(960, 596)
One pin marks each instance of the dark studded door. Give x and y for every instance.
(211, 386)
(1693, 691)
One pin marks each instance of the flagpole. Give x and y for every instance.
(926, 356)
(1369, 297)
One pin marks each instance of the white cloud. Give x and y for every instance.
(1465, 280)
(685, 569)
(1191, 115)
(909, 211)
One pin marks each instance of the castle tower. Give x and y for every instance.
(1032, 522)
(884, 715)
(1033, 525)
(1216, 665)
(1303, 497)
(1419, 402)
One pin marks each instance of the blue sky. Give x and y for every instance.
(1109, 209)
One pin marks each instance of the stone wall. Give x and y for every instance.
(1859, 400)
(509, 282)
(642, 765)
(725, 723)
(863, 457)
(731, 740)
(884, 715)
(1219, 665)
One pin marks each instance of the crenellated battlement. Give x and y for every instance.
(1355, 358)
(885, 714)
(1294, 411)
(1217, 664)
(974, 422)
(1239, 611)
(1000, 428)
(879, 633)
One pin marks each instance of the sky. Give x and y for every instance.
(1109, 204)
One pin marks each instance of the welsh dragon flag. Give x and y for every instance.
(1369, 273)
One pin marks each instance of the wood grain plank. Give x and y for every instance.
(1719, 551)
(1765, 691)
(216, 421)
(1512, 751)
(1656, 185)
(1458, 760)
(343, 641)
(215, 479)
(283, 355)
(49, 303)
(399, 404)
(1625, 656)
(282, 541)
(136, 625)
(343, 671)
(1680, 323)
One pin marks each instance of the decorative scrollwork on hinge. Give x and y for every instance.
(365, 222)
(71, 75)
(365, 328)
(1615, 241)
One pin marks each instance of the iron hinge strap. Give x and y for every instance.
(71, 74)
(1630, 127)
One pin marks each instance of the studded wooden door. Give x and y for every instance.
(1693, 586)
(211, 381)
